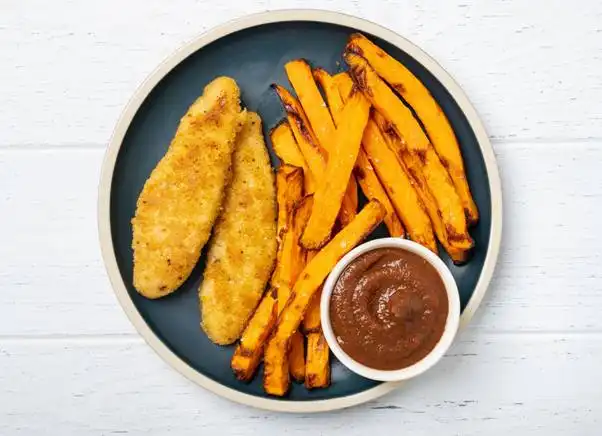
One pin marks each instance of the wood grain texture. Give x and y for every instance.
(488, 384)
(528, 363)
(531, 75)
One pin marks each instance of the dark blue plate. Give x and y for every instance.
(253, 51)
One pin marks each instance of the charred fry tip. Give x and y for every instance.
(359, 173)
(278, 125)
(301, 125)
(321, 74)
(282, 92)
(356, 35)
(357, 70)
(303, 61)
(352, 47)
(274, 292)
(462, 258)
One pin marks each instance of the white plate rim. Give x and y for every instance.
(257, 19)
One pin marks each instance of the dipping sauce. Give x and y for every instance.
(388, 308)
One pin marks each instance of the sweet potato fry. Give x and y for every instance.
(288, 267)
(297, 346)
(437, 192)
(363, 170)
(286, 148)
(317, 366)
(302, 212)
(306, 139)
(248, 352)
(311, 320)
(301, 77)
(386, 102)
(289, 189)
(320, 266)
(296, 357)
(331, 91)
(433, 118)
(292, 261)
(317, 370)
(331, 191)
(345, 84)
(457, 250)
(398, 185)
(403, 125)
(276, 379)
(335, 104)
(372, 188)
(292, 257)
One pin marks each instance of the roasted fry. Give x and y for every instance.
(335, 104)
(363, 170)
(318, 268)
(457, 249)
(311, 320)
(287, 150)
(372, 188)
(398, 185)
(344, 83)
(317, 369)
(433, 118)
(289, 189)
(301, 77)
(296, 357)
(317, 364)
(306, 139)
(331, 91)
(292, 261)
(403, 125)
(386, 102)
(248, 352)
(302, 212)
(331, 191)
(276, 379)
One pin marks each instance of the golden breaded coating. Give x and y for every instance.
(243, 249)
(182, 197)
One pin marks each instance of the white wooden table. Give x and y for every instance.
(530, 363)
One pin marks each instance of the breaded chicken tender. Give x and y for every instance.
(243, 249)
(181, 199)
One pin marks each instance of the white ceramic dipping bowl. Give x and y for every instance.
(451, 324)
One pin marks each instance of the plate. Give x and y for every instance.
(253, 50)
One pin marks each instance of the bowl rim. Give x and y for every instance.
(197, 43)
(452, 321)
